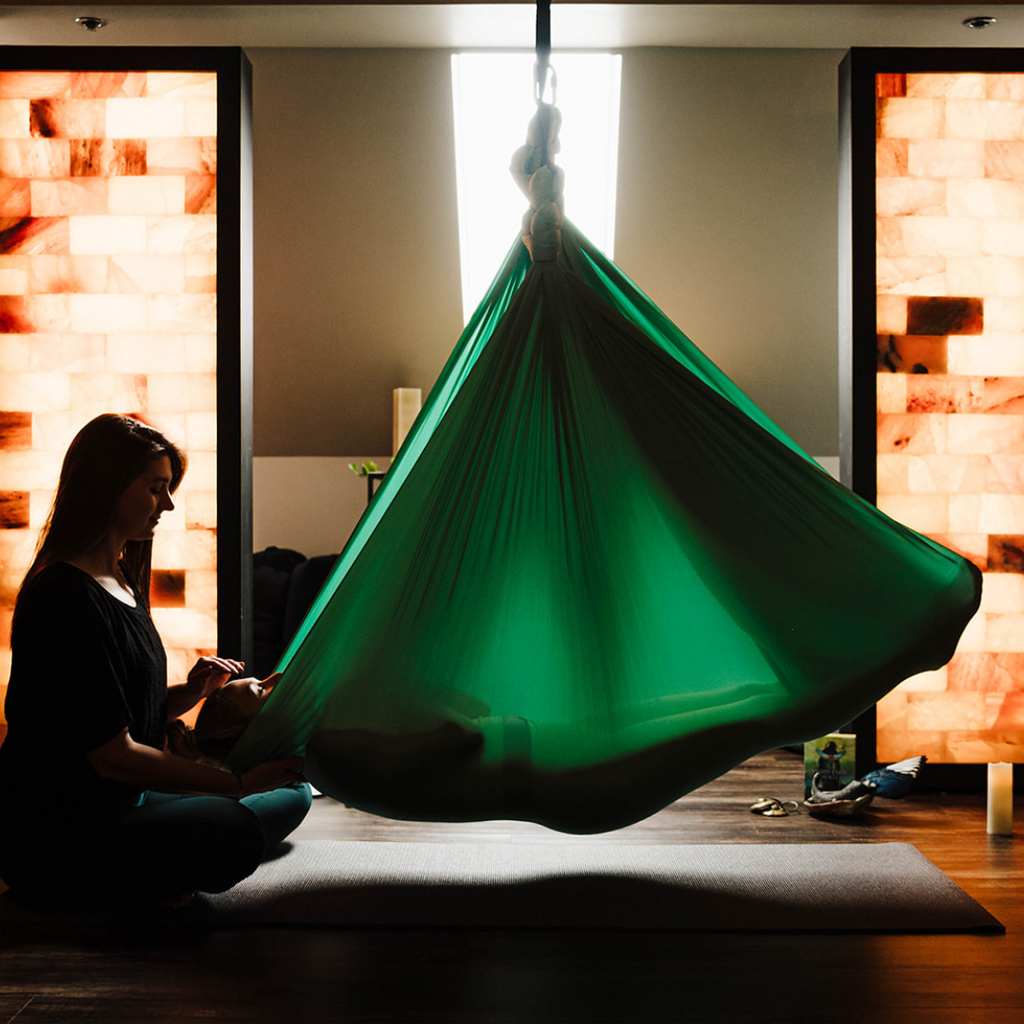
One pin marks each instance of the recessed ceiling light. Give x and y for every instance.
(979, 22)
(90, 22)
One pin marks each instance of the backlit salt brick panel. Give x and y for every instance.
(108, 243)
(950, 305)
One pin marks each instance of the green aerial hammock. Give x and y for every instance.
(596, 576)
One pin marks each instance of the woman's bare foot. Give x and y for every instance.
(179, 902)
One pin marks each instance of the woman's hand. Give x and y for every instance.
(270, 775)
(209, 674)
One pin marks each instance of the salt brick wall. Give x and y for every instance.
(950, 306)
(108, 246)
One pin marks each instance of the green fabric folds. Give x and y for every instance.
(600, 561)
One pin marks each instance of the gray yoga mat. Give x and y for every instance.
(833, 887)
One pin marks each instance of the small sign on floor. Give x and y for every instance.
(833, 759)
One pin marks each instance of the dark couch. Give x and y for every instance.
(285, 584)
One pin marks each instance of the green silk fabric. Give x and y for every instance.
(597, 552)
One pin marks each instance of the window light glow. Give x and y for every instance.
(493, 103)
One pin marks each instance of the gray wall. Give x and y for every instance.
(726, 218)
(357, 242)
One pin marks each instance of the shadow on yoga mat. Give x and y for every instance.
(830, 887)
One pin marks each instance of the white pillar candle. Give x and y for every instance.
(1000, 799)
(406, 406)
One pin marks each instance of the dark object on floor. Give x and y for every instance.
(853, 791)
(839, 808)
(895, 781)
(285, 584)
(839, 803)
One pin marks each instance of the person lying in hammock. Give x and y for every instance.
(226, 713)
(438, 771)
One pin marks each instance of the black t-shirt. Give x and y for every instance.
(84, 666)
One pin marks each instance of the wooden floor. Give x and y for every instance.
(167, 969)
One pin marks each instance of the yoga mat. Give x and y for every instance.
(784, 887)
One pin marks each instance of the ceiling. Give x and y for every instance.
(511, 25)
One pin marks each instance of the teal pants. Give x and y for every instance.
(161, 846)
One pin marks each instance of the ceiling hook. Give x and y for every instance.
(90, 22)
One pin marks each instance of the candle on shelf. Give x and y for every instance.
(1000, 799)
(407, 402)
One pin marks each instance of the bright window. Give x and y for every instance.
(493, 100)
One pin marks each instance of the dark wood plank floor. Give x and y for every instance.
(166, 969)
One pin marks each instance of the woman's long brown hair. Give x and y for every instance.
(107, 455)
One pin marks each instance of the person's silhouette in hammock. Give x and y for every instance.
(226, 713)
(436, 772)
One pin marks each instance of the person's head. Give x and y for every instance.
(108, 462)
(221, 720)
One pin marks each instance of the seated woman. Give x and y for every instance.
(94, 809)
